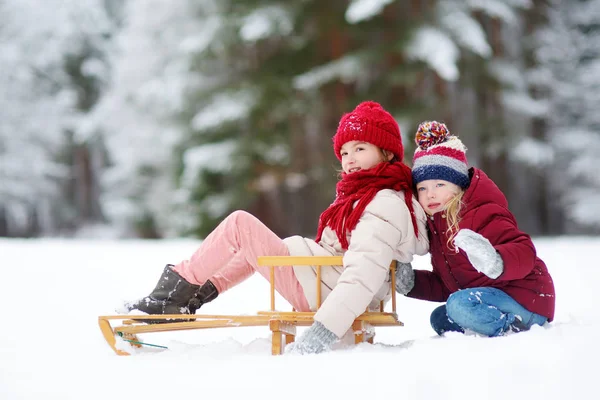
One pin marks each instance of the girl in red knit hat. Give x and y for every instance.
(484, 267)
(373, 220)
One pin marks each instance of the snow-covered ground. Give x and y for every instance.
(51, 347)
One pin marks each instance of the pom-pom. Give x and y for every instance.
(368, 105)
(431, 133)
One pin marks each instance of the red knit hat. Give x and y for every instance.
(370, 123)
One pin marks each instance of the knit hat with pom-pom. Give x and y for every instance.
(370, 123)
(439, 155)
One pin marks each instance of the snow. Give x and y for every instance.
(580, 207)
(434, 48)
(211, 156)
(533, 153)
(264, 22)
(225, 107)
(216, 204)
(345, 68)
(466, 29)
(360, 10)
(522, 102)
(495, 9)
(51, 347)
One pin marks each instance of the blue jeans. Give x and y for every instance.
(485, 310)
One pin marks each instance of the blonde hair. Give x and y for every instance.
(452, 211)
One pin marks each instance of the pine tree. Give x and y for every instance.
(291, 69)
(568, 53)
(51, 56)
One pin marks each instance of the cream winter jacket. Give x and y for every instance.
(383, 233)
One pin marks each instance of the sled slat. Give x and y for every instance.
(181, 326)
(173, 316)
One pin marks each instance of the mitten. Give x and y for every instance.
(315, 339)
(480, 253)
(405, 278)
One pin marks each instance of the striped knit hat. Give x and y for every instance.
(439, 155)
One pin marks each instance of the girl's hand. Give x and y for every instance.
(405, 278)
(315, 339)
(480, 252)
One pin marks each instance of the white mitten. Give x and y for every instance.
(480, 253)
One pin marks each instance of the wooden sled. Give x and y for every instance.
(281, 323)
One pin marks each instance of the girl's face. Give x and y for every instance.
(360, 156)
(434, 194)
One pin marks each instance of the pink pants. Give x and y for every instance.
(228, 256)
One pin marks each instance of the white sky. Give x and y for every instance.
(51, 346)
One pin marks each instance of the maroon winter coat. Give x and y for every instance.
(485, 211)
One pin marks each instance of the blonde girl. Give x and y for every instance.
(485, 269)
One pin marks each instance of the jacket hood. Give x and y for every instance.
(481, 191)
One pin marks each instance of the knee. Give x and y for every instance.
(438, 319)
(459, 304)
(441, 323)
(240, 216)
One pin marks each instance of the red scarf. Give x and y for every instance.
(363, 186)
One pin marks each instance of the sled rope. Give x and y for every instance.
(142, 343)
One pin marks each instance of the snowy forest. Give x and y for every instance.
(157, 118)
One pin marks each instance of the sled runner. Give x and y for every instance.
(281, 323)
